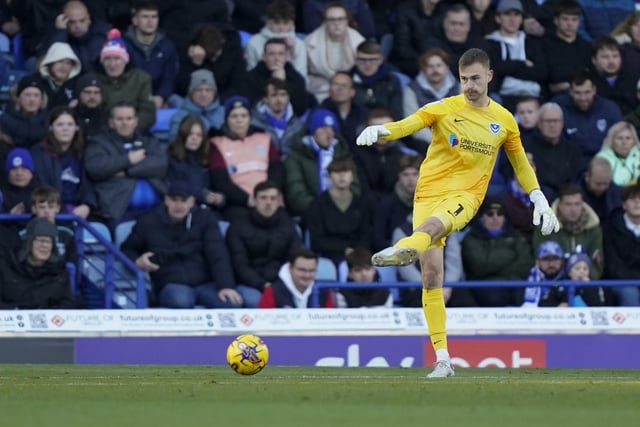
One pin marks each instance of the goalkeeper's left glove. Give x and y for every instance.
(541, 210)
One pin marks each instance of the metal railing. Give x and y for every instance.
(113, 277)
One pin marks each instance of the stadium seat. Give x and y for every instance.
(244, 37)
(386, 44)
(122, 232)
(326, 270)
(404, 79)
(16, 48)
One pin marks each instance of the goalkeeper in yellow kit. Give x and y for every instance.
(467, 132)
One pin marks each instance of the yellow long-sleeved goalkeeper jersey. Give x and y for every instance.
(464, 146)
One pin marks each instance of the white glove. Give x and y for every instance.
(371, 134)
(542, 210)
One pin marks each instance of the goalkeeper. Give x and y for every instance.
(468, 130)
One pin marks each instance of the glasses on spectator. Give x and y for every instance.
(494, 212)
(341, 85)
(335, 19)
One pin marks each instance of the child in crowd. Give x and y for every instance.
(361, 270)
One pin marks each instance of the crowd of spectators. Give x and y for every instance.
(266, 99)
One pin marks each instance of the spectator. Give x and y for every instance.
(416, 22)
(483, 18)
(203, 101)
(126, 168)
(250, 15)
(558, 160)
(152, 51)
(274, 113)
(306, 165)
(189, 161)
(351, 117)
(123, 83)
(570, 51)
(628, 35)
(549, 266)
(634, 116)
(377, 165)
(587, 115)
(58, 163)
(20, 182)
(621, 148)
(295, 282)
(58, 73)
(527, 112)
(578, 268)
(600, 18)
(434, 81)
(331, 47)
(217, 49)
(376, 85)
(34, 276)
(518, 61)
(517, 205)
(6, 145)
(92, 116)
(46, 203)
(275, 63)
(241, 157)
(77, 28)
(395, 207)
(622, 246)
(580, 229)
(24, 119)
(361, 270)
(339, 220)
(611, 80)
(456, 37)
(358, 10)
(493, 250)
(280, 24)
(262, 242)
(597, 187)
(188, 262)
(538, 18)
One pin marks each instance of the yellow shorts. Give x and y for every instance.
(455, 212)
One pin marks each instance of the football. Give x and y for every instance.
(247, 354)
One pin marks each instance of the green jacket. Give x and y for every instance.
(590, 238)
(504, 257)
(134, 87)
(624, 171)
(301, 165)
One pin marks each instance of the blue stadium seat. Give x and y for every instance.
(404, 79)
(122, 232)
(326, 270)
(16, 48)
(244, 37)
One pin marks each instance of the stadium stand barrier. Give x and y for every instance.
(104, 276)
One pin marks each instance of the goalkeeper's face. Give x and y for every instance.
(474, 80)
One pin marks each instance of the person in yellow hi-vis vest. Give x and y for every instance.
(468, 130)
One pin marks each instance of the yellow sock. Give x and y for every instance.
(434, 312)
(418, 240)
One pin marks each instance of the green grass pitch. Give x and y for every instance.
(119, 396)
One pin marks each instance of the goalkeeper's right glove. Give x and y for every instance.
(541, 210)
(371, 134)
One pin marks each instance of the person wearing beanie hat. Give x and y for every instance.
(308, 159)
(322, 117)
(24, 120)
(20, 181)
(121, 83)
(578, 269)
(92, 117)
(241, 157)
(34, 276)
(549, 266)
(202, 101)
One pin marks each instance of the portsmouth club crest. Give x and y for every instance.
(453, 140)
(494, 128)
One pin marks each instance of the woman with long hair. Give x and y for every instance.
(58, 162)
(189, 160)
